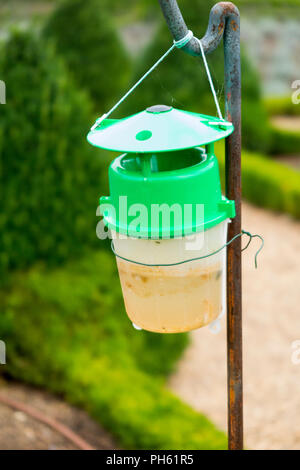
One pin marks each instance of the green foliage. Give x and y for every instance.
(284, 142)
(281, 105)
(268, 4)
(66, 329)
(262, 6)
(181, 80)
(88, 43)
(271, 185)
(267, 183)
(50, 177)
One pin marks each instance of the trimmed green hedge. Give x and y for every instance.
(284, 142)
(267, 183)
(89, 44)
(50, 177)
(269, 3)
(271, 184)
(281, 105)
(66, 330)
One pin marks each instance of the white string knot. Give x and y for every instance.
(184, 41)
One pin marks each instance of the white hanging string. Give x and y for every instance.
(176, 44)
(211, 83)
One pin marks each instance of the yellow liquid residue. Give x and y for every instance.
(171, 299)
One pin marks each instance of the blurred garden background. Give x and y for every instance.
(62, 317)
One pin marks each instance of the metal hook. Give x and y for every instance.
(220, 14)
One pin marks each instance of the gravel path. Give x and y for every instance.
(288, 123)
(271, 300)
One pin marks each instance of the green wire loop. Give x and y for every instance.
(250, 240)
(243, 232)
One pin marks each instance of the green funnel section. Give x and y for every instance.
(185, 183)
(158, 129)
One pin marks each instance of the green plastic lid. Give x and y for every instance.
(189, 177)
(158, 129)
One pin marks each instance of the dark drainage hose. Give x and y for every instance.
(50, 422)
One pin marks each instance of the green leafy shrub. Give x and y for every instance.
(89, 45)
(271, 184)
(181, 80)
(267, 183)
(284, 142)
(66, 330)
(270, 6)
(281, 105)
(50, 177)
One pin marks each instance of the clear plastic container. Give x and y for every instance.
(173, 299)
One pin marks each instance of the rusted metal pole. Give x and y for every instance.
(224, 22)
(234, 268)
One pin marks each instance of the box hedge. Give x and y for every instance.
(271, 185)
(284, 142)
(281, 105)
(267, 183)
(91, 48)
(50, 177)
